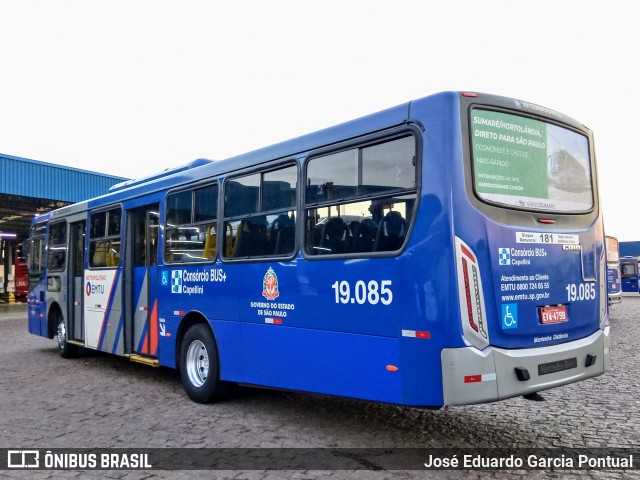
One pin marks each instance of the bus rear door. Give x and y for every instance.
(141, 305)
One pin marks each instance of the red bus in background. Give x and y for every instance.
(21, 275)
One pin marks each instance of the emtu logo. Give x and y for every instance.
(97, 289)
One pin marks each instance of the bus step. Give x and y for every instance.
(153, 362)
(76, 342)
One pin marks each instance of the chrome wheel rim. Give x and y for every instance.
(197, 363)
(61, 334)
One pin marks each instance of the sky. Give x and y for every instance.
(133, 87)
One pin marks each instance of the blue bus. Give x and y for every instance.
(629, 276)
(425, 255)
(614, 274)
(629, 249)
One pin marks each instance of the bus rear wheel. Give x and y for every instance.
(199, 367)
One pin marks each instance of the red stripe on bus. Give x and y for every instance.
(468, 253)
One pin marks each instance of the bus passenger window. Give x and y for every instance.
(260, 214)
(190, 234)
(57, 246)
(104, 238)
(361, 200)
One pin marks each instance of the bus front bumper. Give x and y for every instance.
(474, 376)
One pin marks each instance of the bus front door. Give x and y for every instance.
(141, 304)
(76, 275)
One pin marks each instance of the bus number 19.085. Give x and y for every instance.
(372, 292)
(580, 292)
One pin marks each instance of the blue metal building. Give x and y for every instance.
(28, 187)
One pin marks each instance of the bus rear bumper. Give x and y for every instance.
(615, 298)
(473, 376)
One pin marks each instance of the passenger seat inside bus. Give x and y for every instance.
(282, 237)
(336, 236)
(364, 235)
(391, 232)
(251, 239)
(100, 251)
(209, 251)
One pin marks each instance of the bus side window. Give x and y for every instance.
(191, 224)
(259, 211)
(104, 238)
(358, 201)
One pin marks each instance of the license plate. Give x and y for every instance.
(556, 314)
(559, 366)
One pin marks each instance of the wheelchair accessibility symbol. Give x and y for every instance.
(509, 315)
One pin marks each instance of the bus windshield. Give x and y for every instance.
(526, 163)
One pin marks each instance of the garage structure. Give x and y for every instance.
(31, 187)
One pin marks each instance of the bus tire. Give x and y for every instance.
(65, 349)
(199, 366)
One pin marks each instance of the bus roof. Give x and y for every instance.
(203, 168)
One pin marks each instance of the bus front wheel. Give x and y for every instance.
(199, 368)
(65, 349)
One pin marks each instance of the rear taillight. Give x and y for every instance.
(602, 282)
(471, 298)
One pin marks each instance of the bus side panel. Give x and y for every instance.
(286, 325)
(421, 371)
(323, 361)
(99, 308)
(168, 333)
(230, 338)
(37, 313)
